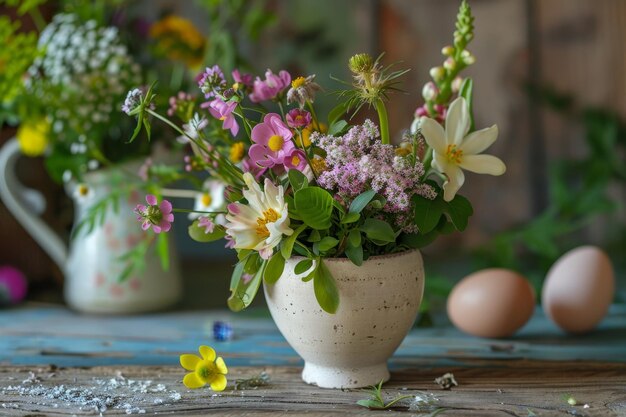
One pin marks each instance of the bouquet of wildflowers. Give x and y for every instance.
(284, 182)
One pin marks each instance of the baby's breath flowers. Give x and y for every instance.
(205, 369)
(80, 78)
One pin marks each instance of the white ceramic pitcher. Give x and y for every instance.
(91, 266)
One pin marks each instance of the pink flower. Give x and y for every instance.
(298, 118)
(440, 111)
(248, 166)
(159, 217)
(269, 88)
(230, 242)
(207, 223)
(243, 79)
(272, 141)
(224, 111)
(296, 159)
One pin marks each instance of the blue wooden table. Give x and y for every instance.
(34, 337)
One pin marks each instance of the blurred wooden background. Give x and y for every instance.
(575, 46)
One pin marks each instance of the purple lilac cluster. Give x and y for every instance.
(359, 161)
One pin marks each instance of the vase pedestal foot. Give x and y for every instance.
(335, 377)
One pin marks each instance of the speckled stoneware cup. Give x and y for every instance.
(378, 303)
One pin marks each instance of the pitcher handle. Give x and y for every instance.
(16, 198)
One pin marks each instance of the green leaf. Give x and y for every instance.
(355, 254)
(297, 179)
(243, 253)
(350, 217)
(361, 201)
(311, 274)
(137, 128)
(287, 246)
(274, 268)
(378, 230)
(146, 125)
(303, 266)
(339, 207)
(244, 293)
(327, 243)
(291, 207)
(236, 276)
(199, 233)
(354, 237)
(373, 404)
(314, 236)
(418, 240)
(337, 127)
(337, 112)
(427, 212)
(459, 209)
(466, 92)
(325, 289)
(315, 206)
(253, 263)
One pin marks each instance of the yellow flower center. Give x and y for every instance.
(295, 161)
(83, 190)
(269, 216)
(453, 154)
(206, 371)
(236, 151)
(206, 199)
(236, 86)
(298, 82)
(223, 118)
(276, 143)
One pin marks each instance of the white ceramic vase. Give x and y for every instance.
(378, 304)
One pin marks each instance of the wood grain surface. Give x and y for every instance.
(504, 388)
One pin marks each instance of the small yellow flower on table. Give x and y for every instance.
(206, 369)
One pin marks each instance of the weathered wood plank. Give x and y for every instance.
(519, 389)
(53, 335)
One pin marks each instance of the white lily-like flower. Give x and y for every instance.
(261, 224)
(454, 150)
(212, 199)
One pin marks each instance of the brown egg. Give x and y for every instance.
(491, 303)
(578, 289)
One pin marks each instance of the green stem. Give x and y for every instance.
(428, 159)
(280, 106)
(314, 115)
(38, 19)
(180, 210)
(306, 155)
(383, 121)
(244, 120)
